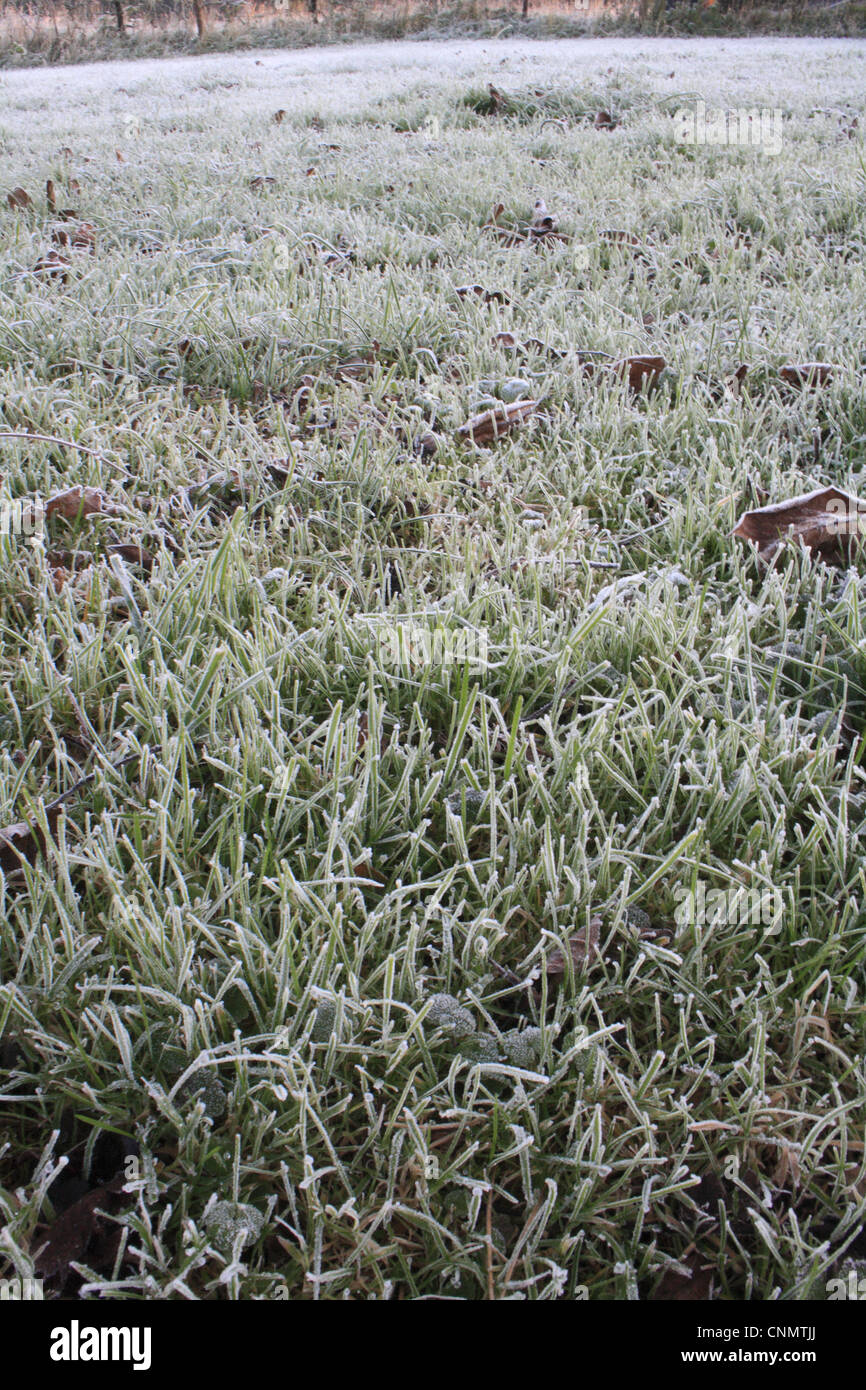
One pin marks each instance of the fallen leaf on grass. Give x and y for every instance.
(639, 371)
(826, 522)
(807, 373)
(20, 843)
(692, 1283)
(261, 181)
(19, 198)
(605, 121)
(492, 424)
(134, 555)
(543, 226)
(77, 502)
(485, 295)
(85, 1228)
(80, 238)
(52, 266)
(582, 947)
(279, 116)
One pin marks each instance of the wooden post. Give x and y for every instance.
(199, 17)
(118, 10)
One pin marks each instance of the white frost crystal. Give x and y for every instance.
(205, 1086)
(227, 1220)
(522, 1049)
(480, 1048)
(323, 1023)
(447, 1012)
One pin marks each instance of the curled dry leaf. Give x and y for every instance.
(19, 198)
(50, 196)
(80, 238)
(77, 502)
(808, 373)
(52, 266)
(134, 555)
(259, 181)
(279, 116)
(827, 522)
(480, 292)
(582, 947)
(604, 120)
(492, 424)
(543, 226)
(639, 371)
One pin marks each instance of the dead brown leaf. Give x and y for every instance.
(582, 947)
(485, 295)
(50, 196)
(604, 120)
(499, 420)
(81, 1230)
(279, 116)
(692, 1286)
(641, 371)
(808, 373)
(52, 266)
(19, 198)
(80, 238)
(827, 522)
(77, 502)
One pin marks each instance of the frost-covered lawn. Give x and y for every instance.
(304, 951)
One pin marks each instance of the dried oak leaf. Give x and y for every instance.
(604, 120)
(807, 373)
(500, 420)
(826, 522)
(77, 502)
(279, 116)
(50, 195)
(19, 198)
(582, 947)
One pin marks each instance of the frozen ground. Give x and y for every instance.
(772, 71)
(318, 936)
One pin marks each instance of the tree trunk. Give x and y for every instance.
(118, 10)
(314, 7)
(199, 17)
(525, 8)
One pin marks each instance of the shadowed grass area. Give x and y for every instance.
(403, 715)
